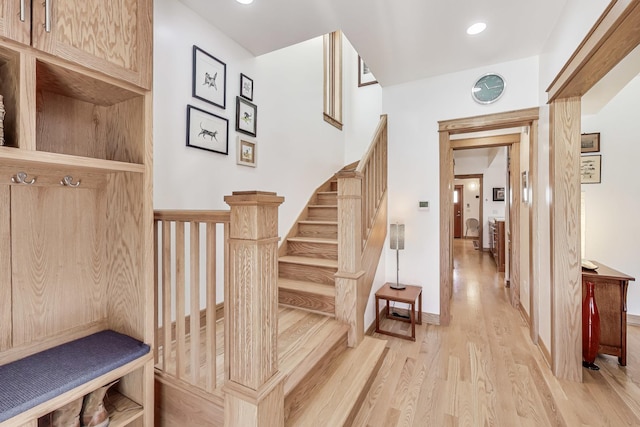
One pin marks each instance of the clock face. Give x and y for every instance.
(489, 88)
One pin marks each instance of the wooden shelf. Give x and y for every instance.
(38, 159)
(122, 410)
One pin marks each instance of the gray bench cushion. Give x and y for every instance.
(33, 380)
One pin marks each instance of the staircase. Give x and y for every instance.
(308, 258)
(321, 364)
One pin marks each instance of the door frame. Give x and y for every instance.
(480, 178)
(447, 128)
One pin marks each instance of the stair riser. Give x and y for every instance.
(307, 301)
(318, 230)
(315, 250)
(294, 401)
(333, 186)
(327, 199)
(323, 214)
(307, 273)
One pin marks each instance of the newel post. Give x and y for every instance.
(254, 393)
(349, 308)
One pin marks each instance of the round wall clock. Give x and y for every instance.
(488, 88)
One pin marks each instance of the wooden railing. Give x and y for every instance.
(186, 280)
(362, 225)
(373, 168)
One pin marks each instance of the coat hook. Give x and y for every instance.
(21, 178)
(68, 181)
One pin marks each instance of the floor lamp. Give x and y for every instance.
(397, 243)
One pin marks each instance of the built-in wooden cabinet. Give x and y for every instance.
(76, 213)
(108, 36)
(496, 242)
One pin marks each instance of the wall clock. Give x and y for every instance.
(488, 88)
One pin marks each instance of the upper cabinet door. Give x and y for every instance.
(114, 37)
(15, 20)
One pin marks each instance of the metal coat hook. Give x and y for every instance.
(21, 178)
(68, 181)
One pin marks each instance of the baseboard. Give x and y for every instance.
(524, 315)
(546, 354)
(187, 321)
(633, 320)
(428, 318)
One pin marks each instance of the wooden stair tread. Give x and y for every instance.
(337, 400)
(317, 222)
(303, 260)
(324, 206)
(309, 287)
(328, 193)
(324, 240)
(302, 356)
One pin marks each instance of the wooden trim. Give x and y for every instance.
(524, 315)
(633, 319)
(513, 239)
(447, 128)
(486, 141)
(489, 121)
(333, 122)
(332, 46)
(192, 216)
(545, 352)
(534, 290)
(613, 36)
(566, 280)
(203, 321)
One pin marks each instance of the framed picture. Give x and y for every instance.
(498, 194)
(246, 116)
(246, 87)
(365, 77)
(209, 78)
(246, 152)
(590, 167)
(207, 131)
(590, 142)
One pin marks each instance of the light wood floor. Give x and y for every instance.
(483, 370)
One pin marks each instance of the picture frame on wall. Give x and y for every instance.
(365, 77)
(207, 131)
(209, 78)
(590, 169)
(246, 87)
(247, 153)
(246, 116)
(590, 142)
(498, 194)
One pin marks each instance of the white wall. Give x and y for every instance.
(612, 207)
(414, 110)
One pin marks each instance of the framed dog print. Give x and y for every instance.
(209, 78)
(246, 152)
(246, 116)
(207, 131)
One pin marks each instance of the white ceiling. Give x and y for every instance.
(400, 40)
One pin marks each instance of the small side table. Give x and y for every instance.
(409, 295)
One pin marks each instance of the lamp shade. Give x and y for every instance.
(397, 236)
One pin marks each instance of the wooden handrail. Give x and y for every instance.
(381, 131)
(362, 228)
(192, 215)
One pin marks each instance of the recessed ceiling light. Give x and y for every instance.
(245, 1)
(476, 28)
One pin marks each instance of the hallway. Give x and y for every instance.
(483, 370)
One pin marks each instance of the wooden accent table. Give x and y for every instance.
(409, 295)
(611, 299)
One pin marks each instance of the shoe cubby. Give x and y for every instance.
(9, 89)
(80, 115)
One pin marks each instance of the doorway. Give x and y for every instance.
(458, 202)
(514, 119)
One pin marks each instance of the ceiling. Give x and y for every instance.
(400, 40)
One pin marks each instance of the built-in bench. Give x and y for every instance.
(30, 383)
